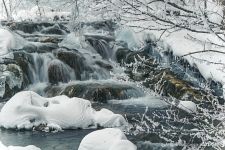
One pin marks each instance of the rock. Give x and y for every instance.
(23, 60)
(145, 68)
(59, 72)
(104, 64)
(40, 47)
(53, 30)
(168, 84)
(74, 59)
(100, 45)
(100, 92)
(45, 39)
(11, 80)
(28, 27)
(32, 27)
(107, 25)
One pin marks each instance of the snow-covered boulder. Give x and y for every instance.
(6, 41)
(106, 139)
(188, 106)
(30, 147)
(9, 40)
(27, 109)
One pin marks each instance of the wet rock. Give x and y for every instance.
(29, 27)
(23, 60)
(58, 72)
(45, 39)
(32, 27)
(40, 47)
(145, 68)
(105, 65)
(100, 92)
(168, 84)
(53, 30)
(100, 45)
(107, 25)
(74, 59)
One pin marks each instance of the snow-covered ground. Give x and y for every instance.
(30, 147)
(106, 139)
(27, 109)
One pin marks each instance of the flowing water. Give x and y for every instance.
(90, 67)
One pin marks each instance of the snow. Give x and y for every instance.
(30, 147)
(9, 77)
(6, 41)
(27, 109)
(46, 13)
(128, 35)
(188, 106)
(210, 64)
(106, 139)
(9, 40)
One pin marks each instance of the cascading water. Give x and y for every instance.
(102, 79)
(38, 68)
(45, 67)
(60, 72)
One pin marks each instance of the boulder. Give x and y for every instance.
(95, 91)
(59, 72)
(11, 80)
(141, 66)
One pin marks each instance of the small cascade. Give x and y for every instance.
(60, 72)
(38, 67)
(101, 46)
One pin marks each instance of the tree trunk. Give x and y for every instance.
(6, 10)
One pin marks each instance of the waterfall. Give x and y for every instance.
(38, 67)
(60, 72)
(101, 46)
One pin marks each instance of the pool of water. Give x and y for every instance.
(66, 140)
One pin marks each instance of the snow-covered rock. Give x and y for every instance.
(6, 41)
(106, 139)
(30, 147)
(9, 40)
(127, 35)
(27, 109)
(188, 106)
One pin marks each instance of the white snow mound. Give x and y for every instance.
(9, 41)
(30, 147)
(106, 139)
(27, 109)
(6, 41)
(188, 106)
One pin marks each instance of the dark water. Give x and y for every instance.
(66, 140)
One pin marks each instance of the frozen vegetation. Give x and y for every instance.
(153, 70)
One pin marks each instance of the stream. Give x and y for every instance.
(95, 64)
